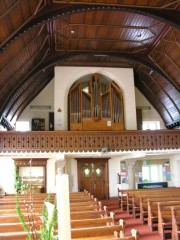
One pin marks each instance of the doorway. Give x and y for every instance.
(93, 176)
(32, 172)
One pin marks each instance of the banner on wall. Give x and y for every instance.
(123, 173)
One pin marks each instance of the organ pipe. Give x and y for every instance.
(98, 103)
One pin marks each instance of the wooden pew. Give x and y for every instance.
(16, 226)
(134, 199)
(78, 212)
(38, 206)
(111, 236)
(83, 202)
(94, 222)
(165, 218)
(15, 230)
(83, 193)
(116, 236)
(94, 211)
(132, 205)
(86, 207)
(122, 197)
(125, 196)
(13, 236)
(9, 218)
(86, 203)
(43, 196)
(13, 218)
(88, 214)
(11, 203)
(175, 222)
(153, 212)
(144, 204)
(12, 227)
(98, 231)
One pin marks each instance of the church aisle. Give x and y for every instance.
(144, 231)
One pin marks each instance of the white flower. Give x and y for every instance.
(50, 209)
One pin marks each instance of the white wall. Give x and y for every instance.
(55, 94)
(2, 128)
(36, 171)
(7, 174)
(148, 115)
(66, 76)
(45, 98)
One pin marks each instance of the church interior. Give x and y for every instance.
(90, 91)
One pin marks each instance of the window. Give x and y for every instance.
(150, 125)
(152, 173)
(22, 126)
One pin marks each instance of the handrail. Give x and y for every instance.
(63, 141)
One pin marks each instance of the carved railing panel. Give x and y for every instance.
(64, 141)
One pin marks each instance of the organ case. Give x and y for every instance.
(96, 105)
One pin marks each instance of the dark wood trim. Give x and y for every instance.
(80, 141)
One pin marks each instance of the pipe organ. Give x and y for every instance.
(96, 104)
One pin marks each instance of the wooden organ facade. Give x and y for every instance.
(96, 104)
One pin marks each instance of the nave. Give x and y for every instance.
(92, 219)
(131, 223)
(88, 218)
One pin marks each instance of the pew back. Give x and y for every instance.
(175, 222)
(165, 218)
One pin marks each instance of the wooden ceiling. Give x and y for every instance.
(37, 35)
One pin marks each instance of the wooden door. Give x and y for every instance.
(93, 176)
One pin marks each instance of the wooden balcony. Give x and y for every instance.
(65, 141)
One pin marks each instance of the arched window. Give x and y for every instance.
(96, 103)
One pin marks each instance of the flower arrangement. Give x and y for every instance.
(49, 221)
(39, 227)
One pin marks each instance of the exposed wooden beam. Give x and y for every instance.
(170, 16)
(51, 35)
(157, 39)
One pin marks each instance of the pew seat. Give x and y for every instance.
(94, 222)
(98, 231)
(115, 236)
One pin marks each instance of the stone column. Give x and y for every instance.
(130, 173)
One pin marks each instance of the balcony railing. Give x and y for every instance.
(64, 141)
